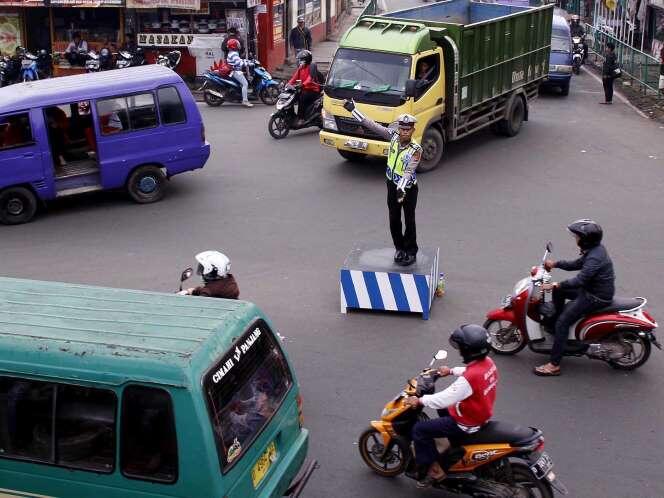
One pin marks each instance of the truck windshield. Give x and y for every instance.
(560, 44)
(371, 77)
(244, 390)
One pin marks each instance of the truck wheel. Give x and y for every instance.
(147, 184)
(432, 150)
(512, 125)
(354, 157)
(17, 205)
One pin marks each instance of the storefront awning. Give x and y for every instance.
(167, 4)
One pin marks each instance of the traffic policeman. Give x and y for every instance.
(401, 177)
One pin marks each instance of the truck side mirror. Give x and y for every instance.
(411, 88)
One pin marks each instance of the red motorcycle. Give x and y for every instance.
(620, 334)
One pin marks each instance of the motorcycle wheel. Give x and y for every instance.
(269, 95)
(637, 356)
(278, 126)
(212, 100)
(372, 448)
(523, 478)
(505, 338)
(576, 69)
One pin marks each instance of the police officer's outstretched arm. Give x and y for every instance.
(383, 131)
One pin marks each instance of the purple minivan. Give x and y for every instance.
(130, 129)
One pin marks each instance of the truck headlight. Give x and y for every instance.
(329, 123)
(562, 69)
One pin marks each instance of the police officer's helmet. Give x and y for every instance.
(304, 56)
(589, 232)
(575, 19)
(406, 121)
(472, 341)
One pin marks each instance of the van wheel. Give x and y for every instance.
(432, 150)
(147, 184)
(212, 100)
(17, 205)
(512, 125)
(354, 157)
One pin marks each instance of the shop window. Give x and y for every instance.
(149, 442)
(84, 436)
(15, 131)
(171, 109)
(427, 72)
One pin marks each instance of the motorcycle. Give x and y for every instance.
(103, 61)
(10, 70)
(127, 59)
(28, 67)
(44, 64)
(217, 87)
(285, 117)
(501, 460)
(620, 334)
(170, 60)
(577, 54)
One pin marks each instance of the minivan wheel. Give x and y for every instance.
(147, 184)
(17, 205)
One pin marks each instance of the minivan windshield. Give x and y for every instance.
(244, 390)
(366, 76)
(560, 44)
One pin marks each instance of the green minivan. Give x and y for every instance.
(111, 393)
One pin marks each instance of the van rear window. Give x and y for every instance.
(170, 106)
(244, 390)
(15, 131)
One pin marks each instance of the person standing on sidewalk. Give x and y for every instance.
(402, 160)
(300, 37)
(609, 72)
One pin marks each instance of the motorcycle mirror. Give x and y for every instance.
(440, 355)
(549, 246)
(185, 275)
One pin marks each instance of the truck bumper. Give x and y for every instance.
(341, 142)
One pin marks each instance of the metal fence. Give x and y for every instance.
(637, 65)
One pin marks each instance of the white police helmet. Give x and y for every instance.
(212, 265)
(406, 121)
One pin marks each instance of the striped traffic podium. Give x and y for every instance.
(369, 279)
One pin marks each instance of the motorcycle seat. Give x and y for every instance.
(498, 432)
(623, 304)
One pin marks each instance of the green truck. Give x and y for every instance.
(457, 65)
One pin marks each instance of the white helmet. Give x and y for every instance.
(406, 120)
(212, 265)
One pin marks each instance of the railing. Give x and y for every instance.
(637, 65)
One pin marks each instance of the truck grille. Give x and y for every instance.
(350, 126)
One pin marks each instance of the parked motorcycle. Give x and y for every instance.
(577, 54)
(127, 59)
(620, 334)
(102, 61)
(10, 70)
(170, 60)
(217, 87)
(28, 67)
(44, 64)
(501, 460)
(285, 118)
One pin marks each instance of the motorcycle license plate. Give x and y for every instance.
(542, 466)
(26, 64)
(356, 144)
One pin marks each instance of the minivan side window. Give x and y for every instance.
(15, 131)
(134, 112)
(170, 106)
(149, 441)
(65, 425)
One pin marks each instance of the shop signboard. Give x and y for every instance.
(203, 11)
(164, 4)
(10, 33)
(252, 3)
(22, 3)
(170, 40)
(87, 3)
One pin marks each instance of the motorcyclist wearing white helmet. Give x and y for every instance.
(402, 160)
(214, 267)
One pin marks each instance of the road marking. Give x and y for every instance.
(619, 95)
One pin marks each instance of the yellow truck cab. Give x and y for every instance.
(457, 66)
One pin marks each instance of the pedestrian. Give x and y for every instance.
(610, 71)
(75, 50)
(300, 37)
(232, 35)
(402, 159)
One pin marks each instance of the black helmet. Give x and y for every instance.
(472, 341)
(304, 56)
(589, 233)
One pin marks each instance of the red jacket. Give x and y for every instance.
(476, 410)
(303, 74)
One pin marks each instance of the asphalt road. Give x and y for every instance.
(288, 212)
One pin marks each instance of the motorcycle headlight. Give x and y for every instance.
(329, 123)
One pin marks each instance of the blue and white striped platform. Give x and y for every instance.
(369, 279)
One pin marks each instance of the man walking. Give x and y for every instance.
(403, 157)
(300, 37)
(610, 71)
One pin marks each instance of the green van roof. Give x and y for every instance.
(113, 336)
(388, 35)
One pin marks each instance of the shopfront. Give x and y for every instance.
(655, 28)
(11, 29)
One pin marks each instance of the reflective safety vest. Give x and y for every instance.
(398, 159)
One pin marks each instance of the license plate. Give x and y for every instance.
(26, 64)
(542, 466)
(356, 144)
(506, 302)
(263, 464)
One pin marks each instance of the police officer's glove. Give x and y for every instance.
(401, 195)
(349, 105)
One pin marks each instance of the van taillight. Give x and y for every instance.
(299, 410)
(202, 132)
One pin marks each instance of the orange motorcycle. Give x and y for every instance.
(501, 460)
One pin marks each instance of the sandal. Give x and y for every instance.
(546, 371)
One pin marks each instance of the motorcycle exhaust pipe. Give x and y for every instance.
(215, 93)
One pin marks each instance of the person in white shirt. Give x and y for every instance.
(74, 49)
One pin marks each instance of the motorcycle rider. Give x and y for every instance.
(402, 160)
(591, 289)
(238, 64)
(215, 269)
(463, 408)
(307, 73)
(577, 30)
